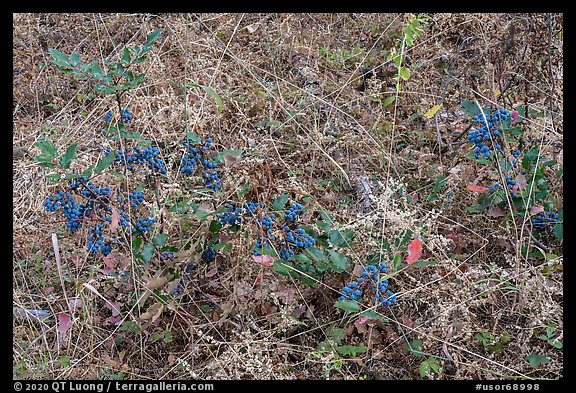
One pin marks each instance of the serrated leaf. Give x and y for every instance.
(159, 240)
(342, 238)
(475, 188)
(45, 161)
(46, 147)
(284, 269)
(405, 73)
(336, 334)
(414, 251)
(264, 260)
(348, 305)
(339, 262)
(53, 178)
(59, 58)
(147, 252)
(126, 56)
(470, 108)
(70, 155)
(350, 350)
(280, 202)
(559, 231)
(316, 254)
(432, 111)
(96, 71)
(74, 59)
(215, 226)
(537, 360)
(152, 37)
(104, 163)
(323, 226)
(87, 173)
(371, 315)
(225, 247)
(212, 93)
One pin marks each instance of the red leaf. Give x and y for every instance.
(264, 260)
(475, 188)
(514, 116)
(536, 209)
(115, 219)
(63, 324)
(414, 251)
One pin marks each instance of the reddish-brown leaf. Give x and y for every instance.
(115, 219)
(495, 212)
(264, 260)
(521, 182)
(114, 307)
(536, 209)
(475, 188)
(414, 251)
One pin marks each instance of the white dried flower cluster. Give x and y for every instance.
(392, 215)
(437, 242)
(245, 357)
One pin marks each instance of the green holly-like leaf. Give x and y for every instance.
(147, 252)
(339, 262)
(342, 238)
(348, 305)
(104, 163)
(46, 147)
(160, 239)
(280, 202)
(59, 58)
(126, 56)
(537, 360)
(152, 37)
(70, 155)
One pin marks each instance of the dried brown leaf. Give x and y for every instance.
(156, 283)
(153, 312)
(495, 212)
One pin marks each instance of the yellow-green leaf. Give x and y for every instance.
(432, 111)
(405, 73)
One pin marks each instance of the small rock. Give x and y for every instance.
(18, 152)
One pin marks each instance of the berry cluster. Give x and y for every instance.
(209, 254)
(147, 157)
(295, 239)
(198, 155)
(126, 116)
(289, 240)
(108, 117)
(143, 224)
(295, 211)
(370, 278)
(542, 219)
(96, 241)
(233, 216)
(71, 209)
(167, 256)
(487, 131)
(136, 198)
